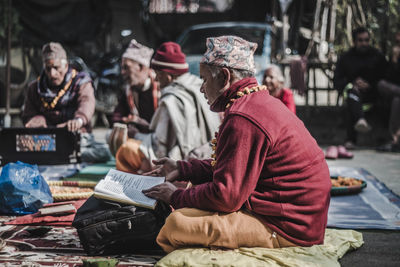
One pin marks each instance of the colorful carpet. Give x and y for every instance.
(51, 246)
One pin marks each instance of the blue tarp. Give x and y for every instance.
(376, 207)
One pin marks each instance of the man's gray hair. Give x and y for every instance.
(240, 74)
(278, 71)
(63, 61)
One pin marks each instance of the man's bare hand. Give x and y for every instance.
(130, 118)
(36, 122)
(74, 125)
(161, 192)
(361, 84)
(61, 125)
(165, 167)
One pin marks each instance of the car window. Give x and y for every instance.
(195, 41)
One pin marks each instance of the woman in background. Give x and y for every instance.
(274, 80)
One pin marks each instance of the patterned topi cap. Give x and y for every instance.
(231, 52)
(53, 50)
(139, 53)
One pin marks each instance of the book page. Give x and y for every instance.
(126, 186)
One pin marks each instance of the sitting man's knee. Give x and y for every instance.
(177, 217)
(384, 87)
(182, 219)
(173, 218)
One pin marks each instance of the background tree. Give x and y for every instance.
(381, 17)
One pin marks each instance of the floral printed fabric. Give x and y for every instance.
(231, 52)
(59, 247)
(337, 243)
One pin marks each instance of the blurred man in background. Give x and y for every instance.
(139, 100)
(63, 97)
(357, 73)
(182, 121)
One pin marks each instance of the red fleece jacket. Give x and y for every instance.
(268, 163)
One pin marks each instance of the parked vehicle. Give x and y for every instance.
(193, 41)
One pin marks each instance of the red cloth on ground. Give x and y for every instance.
(33, 219)
(268, 163)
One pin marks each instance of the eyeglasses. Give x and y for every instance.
(362, 39)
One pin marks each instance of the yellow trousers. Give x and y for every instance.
(190, 227)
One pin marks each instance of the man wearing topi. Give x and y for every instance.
(267, 183)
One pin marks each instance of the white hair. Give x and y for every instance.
(278, 71)
(240, 74)
(63, 61)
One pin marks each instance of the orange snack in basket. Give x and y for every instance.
(345, 181)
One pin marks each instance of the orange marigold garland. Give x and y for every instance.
(246, 91)
(214, 148)
(53, 103)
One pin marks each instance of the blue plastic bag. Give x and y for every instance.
(23, 190)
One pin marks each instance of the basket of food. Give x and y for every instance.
(342, 185)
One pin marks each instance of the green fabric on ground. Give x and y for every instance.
(93, 172)
(100, 262)
(337, 243)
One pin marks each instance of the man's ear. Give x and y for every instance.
(226, 78)
(170, 78)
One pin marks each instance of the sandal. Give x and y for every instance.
(343, 153)
(331, 152)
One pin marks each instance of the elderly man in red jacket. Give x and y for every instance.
(266, 185)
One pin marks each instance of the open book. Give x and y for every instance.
(127, 188)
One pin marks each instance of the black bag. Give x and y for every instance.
(109, 228)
